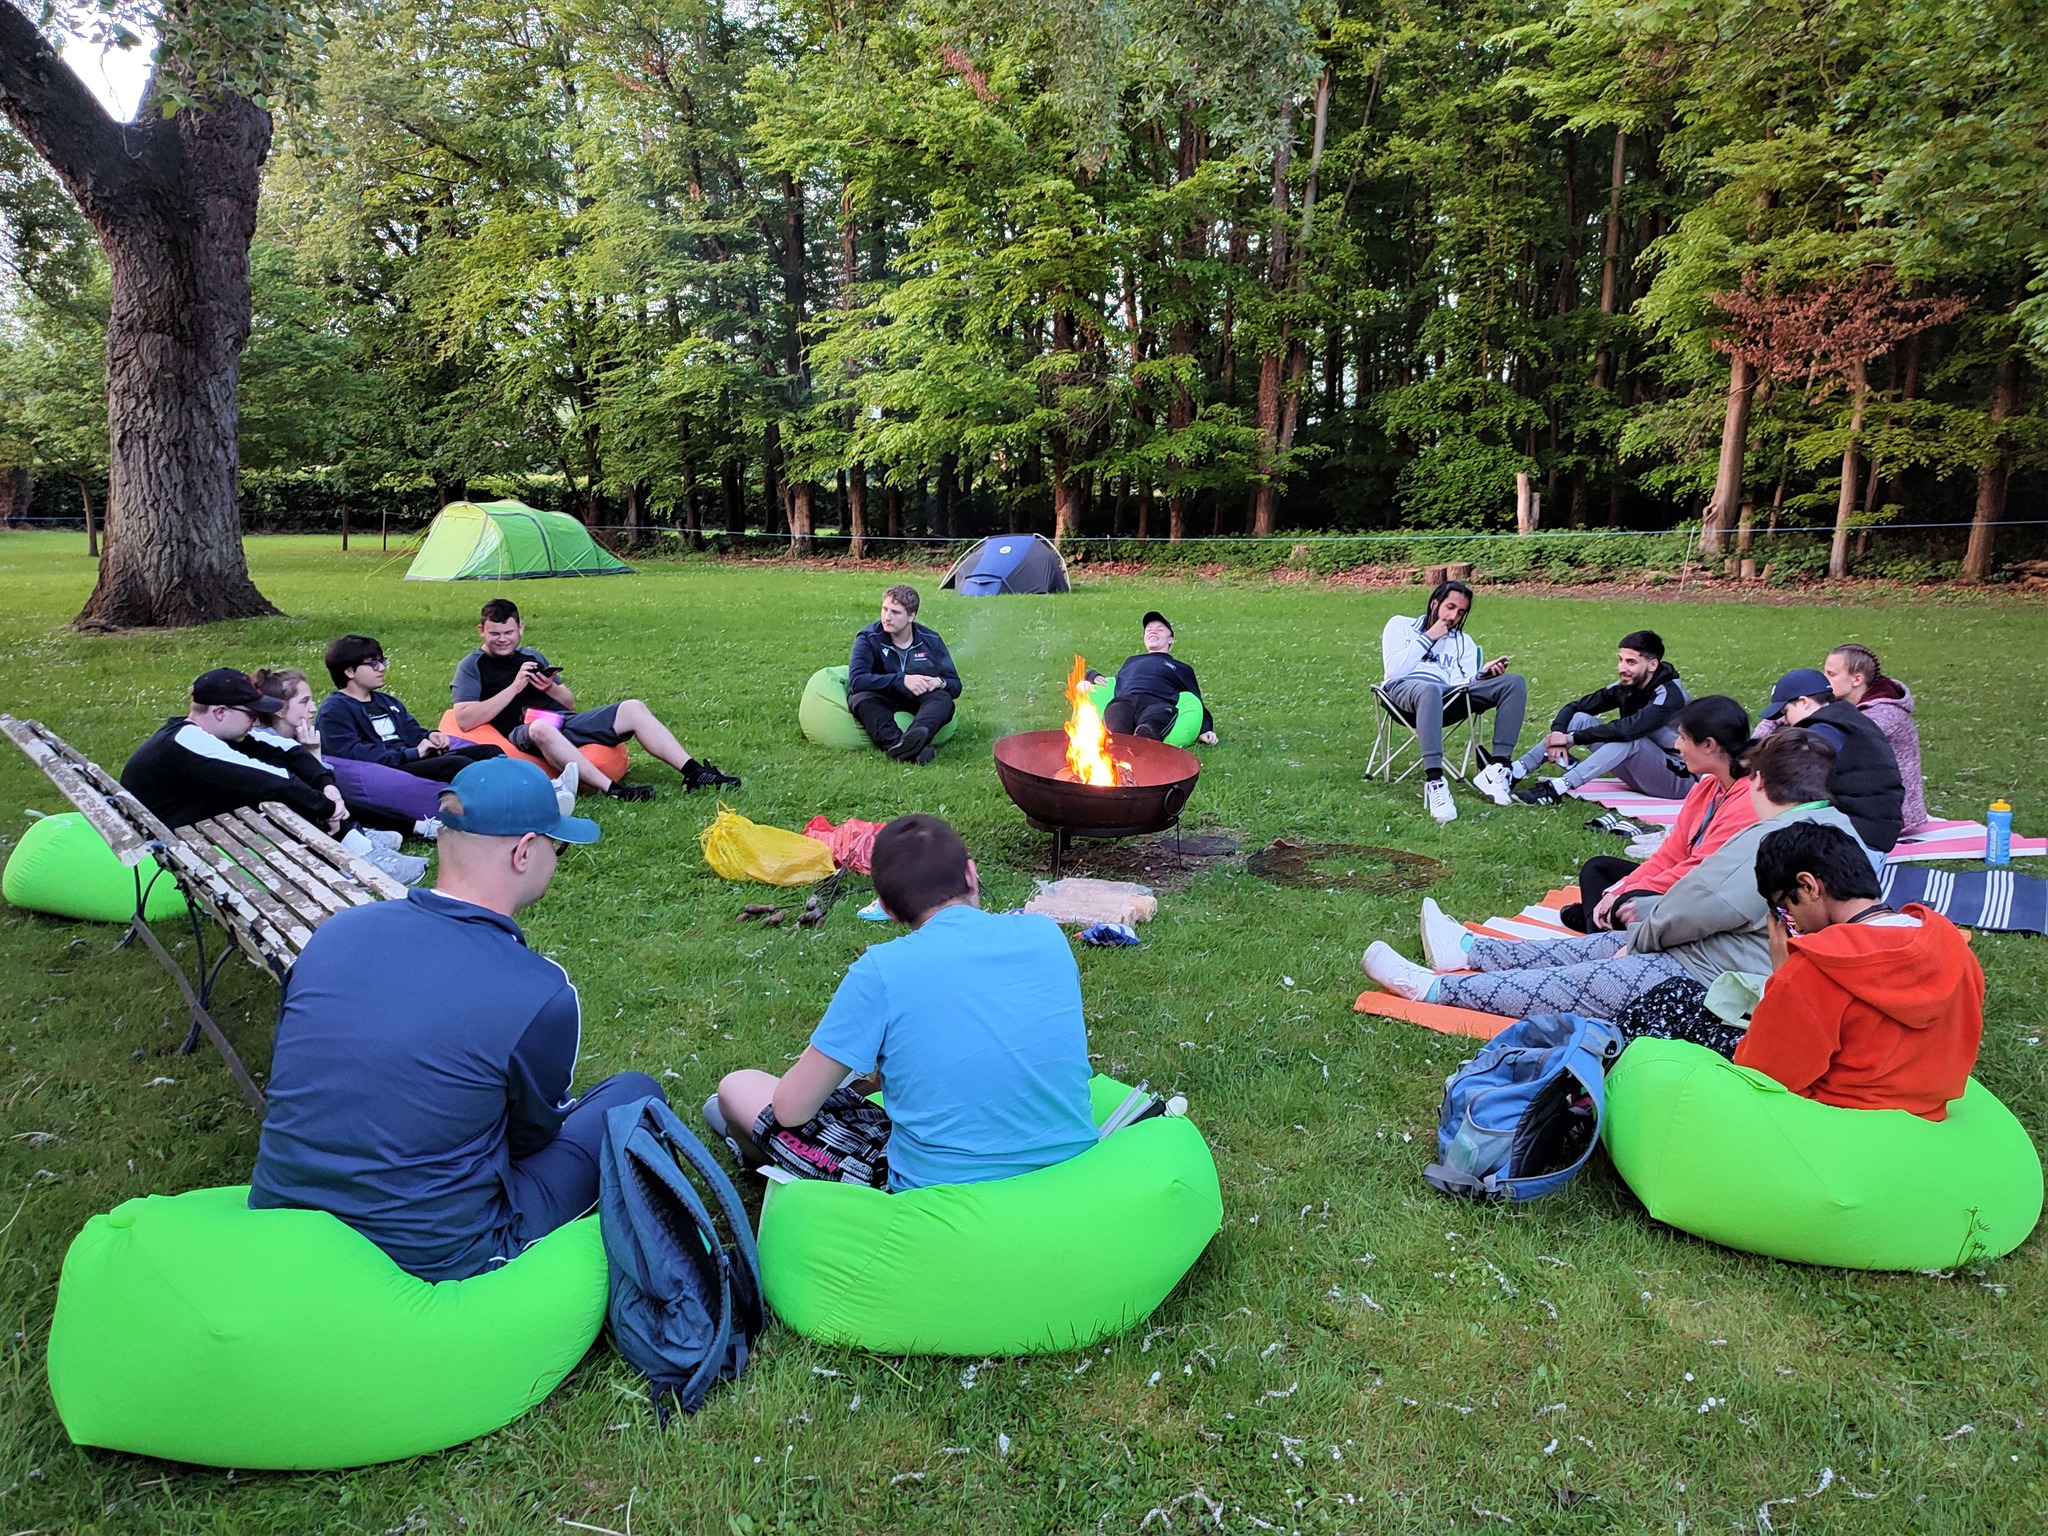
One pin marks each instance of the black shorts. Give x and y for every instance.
(846, 1141)
(587, 728)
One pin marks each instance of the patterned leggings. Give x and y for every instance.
(1585, 976)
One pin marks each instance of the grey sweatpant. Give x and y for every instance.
(1586, 976)
(1643, 765)
(1423, 697)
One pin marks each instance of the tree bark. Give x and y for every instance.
(1281, 371)
(17, 485)
(1727, 502)
(173, 202)
(802, 493)
(1845, 502)
(1993, 478)
(857, 510)
(1610, 259)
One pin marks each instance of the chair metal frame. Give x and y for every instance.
(1396, 737)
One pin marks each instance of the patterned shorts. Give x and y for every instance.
(847, 1141)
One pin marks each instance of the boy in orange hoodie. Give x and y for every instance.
(1866, 1008)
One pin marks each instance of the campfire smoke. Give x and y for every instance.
(1088, 759)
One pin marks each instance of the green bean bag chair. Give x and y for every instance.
(1043, 1262)
(193, 1328)
(1730, 1155)
(823, 714)
(62, 866)
(1187, 718)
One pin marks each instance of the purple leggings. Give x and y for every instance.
(373, 787)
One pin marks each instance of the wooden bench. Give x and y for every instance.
(268, 876)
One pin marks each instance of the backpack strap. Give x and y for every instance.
(694, 1155)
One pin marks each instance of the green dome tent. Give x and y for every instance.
(507, 541)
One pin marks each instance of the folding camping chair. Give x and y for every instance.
(1397, 738)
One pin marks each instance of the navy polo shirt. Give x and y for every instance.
(421, 1047)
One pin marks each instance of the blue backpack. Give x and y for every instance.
(686, 1301)
(1521, 1118)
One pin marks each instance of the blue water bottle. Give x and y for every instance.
(1998, 841)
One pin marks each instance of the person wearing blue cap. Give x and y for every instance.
(1866, 785)
(420, 1081)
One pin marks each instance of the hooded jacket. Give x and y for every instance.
(1865, 782)
(1641, 711)
(1713, 920)
(1873, 1016)
(1889, 706)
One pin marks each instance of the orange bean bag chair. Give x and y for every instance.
(609, 761)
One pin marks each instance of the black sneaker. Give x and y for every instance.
(911, 744)
(698, 774)
(1542, 792)
(927, 757)
(631, 791)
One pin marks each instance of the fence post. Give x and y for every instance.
(384, 520)
(344, 528)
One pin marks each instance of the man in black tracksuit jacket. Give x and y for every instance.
(1639, 747)
(204, 763)
(899, 665)
(1865, 785)
(1149, 686)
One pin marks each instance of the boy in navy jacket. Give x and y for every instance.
(898, 664)
(365, 725)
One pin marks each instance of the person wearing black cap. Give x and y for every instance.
(420, 1082)
(203, 763)
(1149, 686)
(1865, 786)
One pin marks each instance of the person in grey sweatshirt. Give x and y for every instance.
(1711, 921)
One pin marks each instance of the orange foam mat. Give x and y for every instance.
(1437, 1016)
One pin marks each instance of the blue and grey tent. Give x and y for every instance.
(1009, 562)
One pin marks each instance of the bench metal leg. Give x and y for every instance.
(201, 1019)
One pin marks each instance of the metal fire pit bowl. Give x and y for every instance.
(1031, 762)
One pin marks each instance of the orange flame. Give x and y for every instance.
(1087, 740)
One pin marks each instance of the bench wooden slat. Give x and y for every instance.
(67, 771)
(340, 858)
(229, 862)
(254, 844)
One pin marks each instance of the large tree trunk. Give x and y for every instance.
(1727, 502)
(173, 201)
(802, 493)
(1997, 471)
(1845, 502)
(17, 484)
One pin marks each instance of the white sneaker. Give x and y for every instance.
(1436, 799)
(402, 867)
(1644, 846)
(428, 829)
(1401, 977)
(565, 790)
(1445, 943)
(1493, 782)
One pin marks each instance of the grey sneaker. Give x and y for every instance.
(715, 1118)
(402, 867)
(387, 841)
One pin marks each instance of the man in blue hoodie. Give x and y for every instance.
(420, 1081)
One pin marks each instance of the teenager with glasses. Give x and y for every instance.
(1866, 1008)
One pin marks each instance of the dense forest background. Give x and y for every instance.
(1149, 268)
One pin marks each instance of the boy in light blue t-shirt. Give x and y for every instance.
(971, 1021)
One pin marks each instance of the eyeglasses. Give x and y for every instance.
(379, 662)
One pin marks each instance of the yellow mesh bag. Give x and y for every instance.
(740, 849)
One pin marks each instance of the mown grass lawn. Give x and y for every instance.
(1354, 1353)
